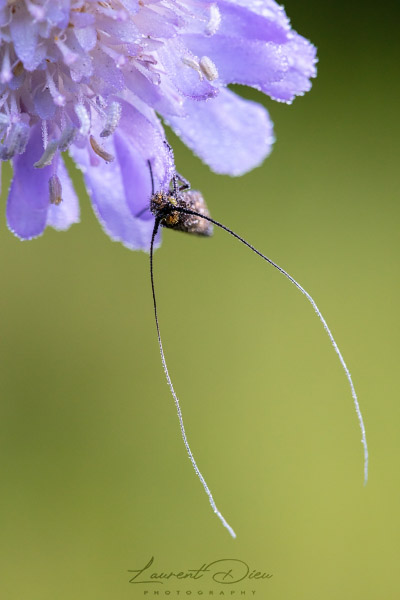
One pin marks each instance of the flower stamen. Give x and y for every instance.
(214, 21)
(113, 116)
(47, 157)
(84, 118)
(6, 73)
(208, 68)
(59, 99)
(16, 141)
(66, 138)
(99, 150)
(55, 190)
(193, 63)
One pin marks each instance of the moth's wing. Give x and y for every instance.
(193, 200)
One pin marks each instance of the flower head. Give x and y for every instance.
(90, 76)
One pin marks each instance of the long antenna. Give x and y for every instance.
(175, 397)
(321, 318)
(147, 208)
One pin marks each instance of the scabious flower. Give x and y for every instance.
(90, 77)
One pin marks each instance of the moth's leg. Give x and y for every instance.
(141, 212)
(169, 148)
(179, 184)
(185, 185)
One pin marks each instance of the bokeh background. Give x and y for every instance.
(94, 476)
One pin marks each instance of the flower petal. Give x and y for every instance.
(255, 46)
(146, 135)
(58, 12)
(184, 78)
(121, 190)
(44, 104)
(301, 58)
(63, 215)
(28, 199)
(282, 71)
(24, 33)
(267, 9)
(135, 175)
(106, 189)
(230, 134)
(163, 98)
(253, 20)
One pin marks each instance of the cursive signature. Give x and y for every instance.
(223, 571)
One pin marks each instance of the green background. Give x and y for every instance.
(94, 476)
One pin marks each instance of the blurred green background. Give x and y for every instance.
(94, 475)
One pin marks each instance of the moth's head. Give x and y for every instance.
(162, 205)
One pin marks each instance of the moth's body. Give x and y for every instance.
(163, 206)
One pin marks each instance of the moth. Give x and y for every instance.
(183, 209)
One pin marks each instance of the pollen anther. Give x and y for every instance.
(47, 157)
(55, 190)
(208, 68)
(106, 156)
(113, 117)
(214, 21)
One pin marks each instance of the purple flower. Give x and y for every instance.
(90, 76)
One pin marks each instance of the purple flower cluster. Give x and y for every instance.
(89, 77)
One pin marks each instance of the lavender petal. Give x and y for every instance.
(62, 216)
(230, 134)
(28, 199)
(120, 191)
